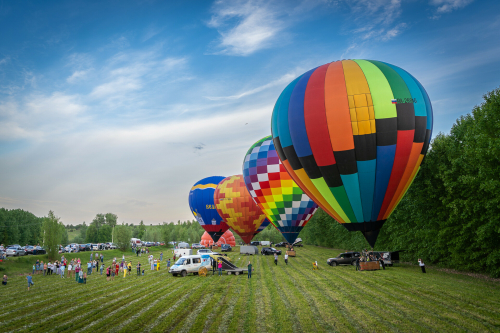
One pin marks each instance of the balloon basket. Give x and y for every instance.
(215, 248)
(291, 253)
(369, 266)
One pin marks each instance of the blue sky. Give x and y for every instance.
(116, 106)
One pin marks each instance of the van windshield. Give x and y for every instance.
(180, 261)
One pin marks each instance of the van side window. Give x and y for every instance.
(188, 261)
(196, 260)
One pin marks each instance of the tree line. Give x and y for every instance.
(450, 215)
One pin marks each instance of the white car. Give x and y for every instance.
(204, 251)
(112, 246)
(15, 251)
(190, 264)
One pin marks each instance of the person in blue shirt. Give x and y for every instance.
(89, 268)
(30, 281)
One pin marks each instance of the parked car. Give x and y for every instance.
(15, 251)
(81, 247)
(112, 246)
(68, 249)
(88, 247)
(197, 246)
(28, 249)
(269, 250)
(346, 258)
(225, 248)
(281, 244)
(39, 250)
(255, 243)
(202, 251)
(162, 244)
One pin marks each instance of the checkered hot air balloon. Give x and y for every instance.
(237, 208)
(201, 202)
(353, 134)
(280, 198)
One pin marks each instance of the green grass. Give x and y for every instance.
(281, 298)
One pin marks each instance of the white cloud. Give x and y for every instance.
(446, 6)
(282, 80)
(377, 19)
(76, 76)
(256, 28)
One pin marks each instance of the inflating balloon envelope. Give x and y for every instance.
(237, 207)
(201, 202)
(284, 203)
(353, 134)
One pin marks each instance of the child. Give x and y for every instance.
(4, 281)
(34, 267)
(30, 281)
(84, 278)
(108, 272)
(124, 272)
(112, 274)
(129, 266)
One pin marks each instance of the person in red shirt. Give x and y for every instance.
(117, 268)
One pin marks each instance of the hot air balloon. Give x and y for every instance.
(201, 202)
(353, 134)
(237, 208)
(226, 238)
(284, 203)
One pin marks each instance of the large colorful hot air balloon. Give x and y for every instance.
(353, 134)
(226, 238)
(284, 203)
(201, 202)
(237, 208)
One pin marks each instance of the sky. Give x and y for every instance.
(121, 106)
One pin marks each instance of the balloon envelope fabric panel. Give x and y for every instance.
(201, 202)
(237, 208)
(353, 134)
(280, 198)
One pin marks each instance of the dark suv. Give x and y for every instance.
(347, 258)
(225, 248)
(255, 243)
(269, 250)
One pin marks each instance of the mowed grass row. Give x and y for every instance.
(283, 298)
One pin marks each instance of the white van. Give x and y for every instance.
(183, 252)
(190, 264)
(183, 245)
(265, 243)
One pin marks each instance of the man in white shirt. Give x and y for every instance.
(286, 258)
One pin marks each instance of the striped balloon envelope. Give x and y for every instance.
(237, 208)
(201, 202)
(284, 203)
(353, 134)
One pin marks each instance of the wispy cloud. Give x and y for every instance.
(77, 75)
(257, 25)
(377, 19)
(282, 80)
(446, 6)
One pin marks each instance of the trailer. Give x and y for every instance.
(228, 266)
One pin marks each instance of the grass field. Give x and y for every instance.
(279, 298)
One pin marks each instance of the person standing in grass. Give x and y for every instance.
(129, 266)
(152, 264)
(91, 255)
(77, 272)
(421, 264)
(102, 268)
(4, 281)
(161, 256)
(34, 268)
(116, 269)
(220, 267)
(30, 281)
(358, 267)
(62, 270)
(89, 268)
(70, 267)
(168, 264)
(112, 273)
(138, 268)
(249, 267)
(286, 258)
(44, 269)
(102, 258)
(108, 273)
(125, 272)
(276, 259)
